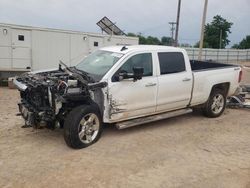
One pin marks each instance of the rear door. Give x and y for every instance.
(21, 49)
(175, 82)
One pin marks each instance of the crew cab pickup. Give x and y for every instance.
(124, 86)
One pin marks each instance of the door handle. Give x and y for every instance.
(186, 79)
(150, 84)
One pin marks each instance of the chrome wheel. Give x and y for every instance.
(88, 128)
(217, 104)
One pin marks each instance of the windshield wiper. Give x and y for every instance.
(74, 73)
(79, 70)
(66, 66)
(84, 73)
(81, 75)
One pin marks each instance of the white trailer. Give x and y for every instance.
(26, 48)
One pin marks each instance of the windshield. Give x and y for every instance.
(99, 63)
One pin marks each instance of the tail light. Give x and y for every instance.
(240, 76)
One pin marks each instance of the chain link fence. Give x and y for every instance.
(220, 55)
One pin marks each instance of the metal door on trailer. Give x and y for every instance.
(21, 49)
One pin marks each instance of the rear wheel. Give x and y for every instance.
(216, 103)
(82, 127)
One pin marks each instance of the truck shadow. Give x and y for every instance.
(56, 136)
(110, 130)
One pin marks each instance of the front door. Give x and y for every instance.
(21, 49)
(130, 99)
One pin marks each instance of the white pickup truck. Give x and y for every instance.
(125, 86)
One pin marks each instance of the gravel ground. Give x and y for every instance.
(186, 151)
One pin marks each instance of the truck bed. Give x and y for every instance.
(207, 65)
(207, 74)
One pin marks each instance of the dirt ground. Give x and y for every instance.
(186, 151)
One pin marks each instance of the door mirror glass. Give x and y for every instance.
(121, 76)
(136, 75)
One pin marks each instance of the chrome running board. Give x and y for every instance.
(148, 119)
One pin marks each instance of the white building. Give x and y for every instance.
(25, 48)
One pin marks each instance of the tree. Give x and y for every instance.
(167, 41)
(197, 45)
(244, 44)
(235, 46)
(131, 35)
(185, 45)
(152, 40)
(218, 29)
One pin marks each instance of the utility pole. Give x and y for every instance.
(172, 29)
(177, 23)
(220, 38)
(202, 29)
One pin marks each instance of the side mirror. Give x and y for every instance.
(138, 73)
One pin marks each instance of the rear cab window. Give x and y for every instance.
(171, 62)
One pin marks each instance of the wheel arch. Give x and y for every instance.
(222, 86)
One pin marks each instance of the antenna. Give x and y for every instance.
(109, 27)
(124, 48)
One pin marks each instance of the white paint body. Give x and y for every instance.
(42, 48)
(158, 93)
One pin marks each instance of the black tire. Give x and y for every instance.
(72, 126)
(212, 109)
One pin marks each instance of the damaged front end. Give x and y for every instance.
(47, 97)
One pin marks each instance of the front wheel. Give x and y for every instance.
(216, 103)
(82, 127)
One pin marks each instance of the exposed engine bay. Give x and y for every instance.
(47, 97)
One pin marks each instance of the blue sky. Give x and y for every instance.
(147, 17)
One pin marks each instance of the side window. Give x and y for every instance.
(140, 60)
(171, 62)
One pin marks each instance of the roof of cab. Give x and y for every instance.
(118, 49)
